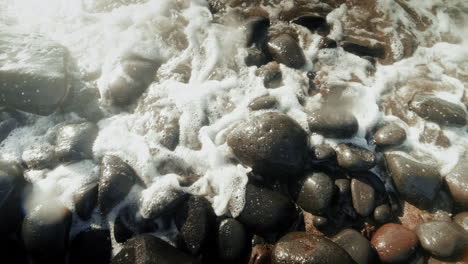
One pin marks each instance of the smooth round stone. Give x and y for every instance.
(363, 196)
(354, 158)
(285, 49)
(390, 134)
(273, 144)
(438, 110)
(305, 248)
(320, 221)
(357, 246)
(442, 239)
(117, 178)
(271, 73)
(344, 186)
(383, 214)
(394, 243)
(324, 152)
(75, 141)
(264, 102)
(93, 246)
(417, 183)
(457, 182)
(316, 193)
(462, 220)
(232, 240)
(85, 200)
(327, 43)
(266, 211)
(333, 123)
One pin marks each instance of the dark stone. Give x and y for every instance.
(271, 73)
(394, 243)
(273, 144)
(264, 102)
(390, 134)
(147, 249)
(266, 211)
(39, 84)
(285, 49)
(117, 178)
(363, 195)
(305, 248)
(462, 220)
(45, 232)
(442, 239)
(39, 156)
(357, 246)
(75, 141)
(232, 240)
(85, 102)
(324, 152)
(378, 51)
(164, 202)
(196, 222)
(6, 126)
(354, 158)
(316, 193)
(85, 200)
(92, 246)
(11, 187)
(313, 23)
(257, 28)
(416, 182)
(255, 57)
(333, 123)
(383, 214)
(457, 182)
(320, 222)
(327, 43)
(13, 251)
(138, 73)
(130, 222)
(438, 110)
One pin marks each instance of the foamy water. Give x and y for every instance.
(204, 84)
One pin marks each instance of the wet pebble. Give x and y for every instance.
(462, 220)
(324, 152)
(75, 141)
(273, 144)
(266, 211)
(129, 222)
(354, 158)
(316, 193)
(92, 246)
(376, 51)
(442, 239)
(357, 246)
(327, 43)
(285, 49)
(39, 156)
(363, 196)
(255, 57)
(457, 182)
(333, 123)
(85, 200)
(390, 134)
(394, 243)
(271, 74)
(305, 248)
(438, 110)
(383, 214)
(320, 222)
(418, 183)
(232, 240)
(12, 184)
(116, 180)
(264, 102)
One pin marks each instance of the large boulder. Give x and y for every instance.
(32, 73)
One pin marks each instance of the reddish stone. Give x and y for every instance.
(394, 243)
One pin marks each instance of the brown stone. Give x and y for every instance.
(394, 243)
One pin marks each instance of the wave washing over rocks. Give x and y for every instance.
(193, 131)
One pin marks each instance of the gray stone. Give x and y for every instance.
(11, 188)
(39, 156)
(394, 243)
(324, 152)
(457, 182)
(285, 49)
(377, 51)
(316, 193)
(438, 110)
(442, 239)
(390, 134)
(383, 214)
(85, 200)
(264, 102)
(32, 72)
(357, 246)
(363, 195)
(273, 144)
(75, 141)
(232, 240)
(462, 220)
(354, 158)
(333, 123)
(418, 183)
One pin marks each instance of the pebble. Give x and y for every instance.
(394, 243)
(85, 200)
(116, 180)
(266, 211)
(327, 43)
(320, 222)
(264, 102)
(150, 249)
(316, 193)
(442, 239)
(285, 49)
(462, 220)
(92, 246)
(324, 152)
(333, 123)
(457, 182)
(417, 183)
(383, 214)
(232, 240)
(255, 57)
(271, 73)
(273, 144)
(390, 134)
(363, 196)
(39, 156)
(377, 51)
(305, 248)
(357, 246)
(354, 158)
(75, 141)
(438, 110)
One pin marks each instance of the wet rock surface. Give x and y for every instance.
(85, 200)
(304, 248)
(354, 158)
(363, 195)
(418, 183)
(285, 49)
(457, 182)
(358, 49)
(232, 240)
(91, 246)
(324, 152)
(394, 243)
(75, 141)
(129, 222)
(442, 239)
(438, 110)
(333, 123)
(357, 246)
(462, 220)
(390, 134)
(39, 156)
(273, 144)
(11, 187)
(382, 214)
(316, 193)
(264, 102)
